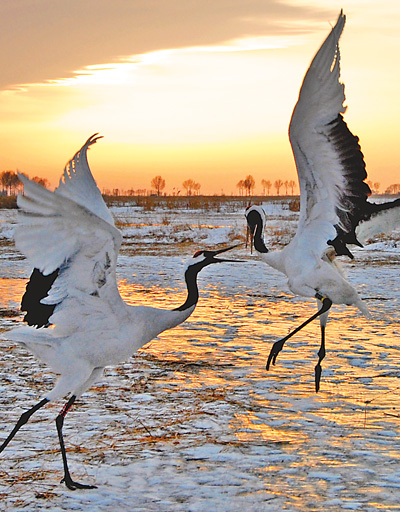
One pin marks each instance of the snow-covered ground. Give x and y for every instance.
(194, 422)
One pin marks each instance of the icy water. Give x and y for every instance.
(194, 422)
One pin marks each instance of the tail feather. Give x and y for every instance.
(363, 308)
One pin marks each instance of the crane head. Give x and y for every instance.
(204, 258)
(255, 217)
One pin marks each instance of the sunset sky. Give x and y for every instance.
(187, 88)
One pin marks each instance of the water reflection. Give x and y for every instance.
(360, 384)
(11, 291)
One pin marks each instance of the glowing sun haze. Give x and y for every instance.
(186, 88)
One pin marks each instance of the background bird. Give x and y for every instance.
(334, 207)
(77, 321)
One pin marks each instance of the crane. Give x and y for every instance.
(334, 208)
(76, 320)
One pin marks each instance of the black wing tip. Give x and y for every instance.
(341, 18)
(364, 213)
(37, 288)
(92, 139)
(352, 202)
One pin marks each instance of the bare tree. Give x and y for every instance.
(292, 184)
(278, 184)
(5, 180)
(188, 185)
(10, 182)
(15, 184)
(286, 185)
(249, 184)
(373, 186)
(263, 182)
(158, 183)
(240, 186)
(266, 184)
(42, 181)
(393, 189)
(196, 188)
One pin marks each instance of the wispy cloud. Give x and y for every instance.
(50, 39)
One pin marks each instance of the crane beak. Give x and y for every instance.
(220, 251)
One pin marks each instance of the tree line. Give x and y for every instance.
(11, 185)
(191, 187)
(247, 186)
(393, 189)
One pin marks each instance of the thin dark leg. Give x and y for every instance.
(321, 355)
(22, 421)
(278, 345)
(67, 476)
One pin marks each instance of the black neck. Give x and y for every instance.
(259, 244)
(192, 289)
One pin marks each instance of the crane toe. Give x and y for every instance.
(276, 348)
(72, 485)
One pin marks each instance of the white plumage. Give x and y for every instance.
(77, 320)
(334, 207)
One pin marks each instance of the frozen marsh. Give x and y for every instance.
(193, 422)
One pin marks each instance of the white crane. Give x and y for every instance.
(77, 320)
(334, 207)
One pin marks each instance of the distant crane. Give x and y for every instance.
(72, 298)
(334, 207)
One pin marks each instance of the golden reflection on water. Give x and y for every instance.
(249, 429)
(11, 291)
(359, 388)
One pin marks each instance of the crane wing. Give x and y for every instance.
(329, 161)
(74, 253)
(77, 183)
(334, 205)
(315, 119)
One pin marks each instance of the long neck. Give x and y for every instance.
(192, 289)
(259, 244)
(163, 319)
(275, 258)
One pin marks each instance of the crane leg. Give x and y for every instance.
(22, 421)
(59, 424)
(278, 345)
(321, 355)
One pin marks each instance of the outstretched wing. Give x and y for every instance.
(77, 183)
(321, 142)
(330, 164)
(74, 253)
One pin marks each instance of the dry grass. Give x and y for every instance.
(8, 201)
(204, 203)
(9, 313)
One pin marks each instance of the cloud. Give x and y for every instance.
(51, 39)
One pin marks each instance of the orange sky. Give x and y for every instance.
(186, 88)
